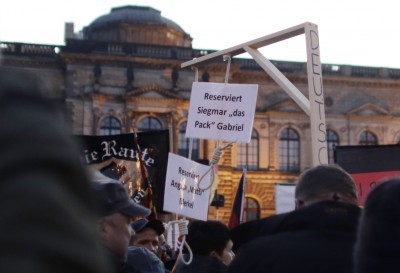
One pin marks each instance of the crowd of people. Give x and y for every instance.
(56, 217)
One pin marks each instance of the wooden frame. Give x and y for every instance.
(314, 105)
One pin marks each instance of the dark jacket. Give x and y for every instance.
(119, 264)
(144, 260)
(47, 214)
(201, 264)
(377, 248)
(248, 231)
(317, 238)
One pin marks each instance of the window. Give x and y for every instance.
(289, 151)
(251, 210)
(149, 123)
(332, 140)
(110, 126)
(247, 153)
(368, 138)
(183, 146)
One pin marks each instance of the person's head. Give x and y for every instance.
(47, 212)
(210, 238)
(147, 233)
(325, 182)
(377, 248)
(116, 210)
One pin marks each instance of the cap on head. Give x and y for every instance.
(112, 197)
(140, 224)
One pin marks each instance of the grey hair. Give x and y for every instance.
(329, 182)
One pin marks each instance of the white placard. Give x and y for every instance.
(182, 193)
(222, 111)
(284, 197)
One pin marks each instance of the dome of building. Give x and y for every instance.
(137, 24)
(133, 14)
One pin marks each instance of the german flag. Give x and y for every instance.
(148, 198)
(237, 209)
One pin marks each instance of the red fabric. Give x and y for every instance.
(148, 198)
(367, 181)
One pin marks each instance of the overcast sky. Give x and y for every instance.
(355, 32)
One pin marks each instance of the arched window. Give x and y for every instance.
(110, 126)
(149, 123)
(247, 153)
(368, 138)
(289, 150)
(183, 146)
(332, 140)
(251, 210)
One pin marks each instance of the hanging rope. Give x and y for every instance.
(183, 223)
(196, 79)
(216, 156)
(196, 73)
(217, 153)
(183, 231)
(228, 67)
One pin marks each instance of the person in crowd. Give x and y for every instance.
(116, 210)
(319, 236)
(47, 222)
(211, 247)
(162, 248)
(147, 234)
(248, 231)
(166, 253)
(144, 260)
(377, 247)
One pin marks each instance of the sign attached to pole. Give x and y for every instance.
(314, 105)
(222, 111)
(187, 187)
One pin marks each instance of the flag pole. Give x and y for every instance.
(243, 194)
(145, 178)
(236, 217)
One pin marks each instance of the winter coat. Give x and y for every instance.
(317, 238)
(201, 264)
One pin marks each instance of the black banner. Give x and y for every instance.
(368, 164)
(116, 156)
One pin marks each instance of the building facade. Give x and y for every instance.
(122, 74)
